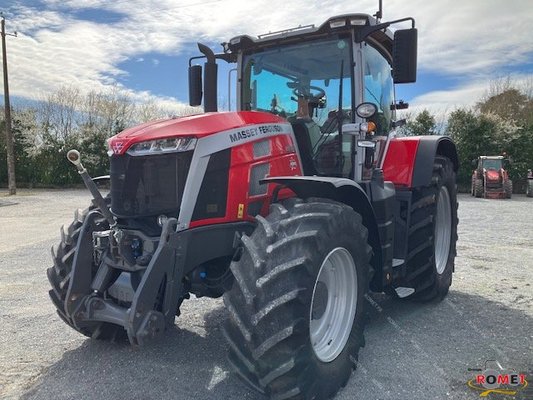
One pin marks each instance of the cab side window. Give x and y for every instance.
(379, 87)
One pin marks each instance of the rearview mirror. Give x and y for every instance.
(404, 53)
(195, 85)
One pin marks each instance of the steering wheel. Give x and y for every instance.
(307, 93)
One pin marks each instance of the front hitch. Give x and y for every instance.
(155, 301)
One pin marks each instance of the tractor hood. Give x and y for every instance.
(198, 126)
(493, 175)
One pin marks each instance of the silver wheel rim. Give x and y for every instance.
(443, 230)
(330, 328)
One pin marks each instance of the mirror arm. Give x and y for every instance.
(399, 123)
(368, 30)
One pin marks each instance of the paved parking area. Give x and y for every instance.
(412, 351)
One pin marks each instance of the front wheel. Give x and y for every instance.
(478, 188)
(60, 273)
(297, 304)
(508, 188)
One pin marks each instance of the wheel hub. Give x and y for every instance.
(443, 230)
(333, 305)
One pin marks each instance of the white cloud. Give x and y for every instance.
(446, 101)
(472, 39)
(474, 36)
(441, 102)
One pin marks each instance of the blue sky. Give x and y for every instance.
(143, 46)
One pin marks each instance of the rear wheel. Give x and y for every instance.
(433, 235)
(297, 305)
(59, 277)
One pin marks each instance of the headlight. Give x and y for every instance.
(366, 110)
(158, 146)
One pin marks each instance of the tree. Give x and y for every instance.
(422, 124)
(501, 122)
(24, 128)
(513, 103)
(474, 134)
(67, 119)
(510, 104)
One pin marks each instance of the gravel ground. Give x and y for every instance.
(413, 351)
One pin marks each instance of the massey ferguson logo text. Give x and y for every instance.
(499, 381)
(255, 131)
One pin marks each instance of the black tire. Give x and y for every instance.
(59, 277)
(508, 188)
(478, 188)
(422, 273)
(529, 189)
(269, 305)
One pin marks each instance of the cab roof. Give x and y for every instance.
(491, 157)
(339, 23)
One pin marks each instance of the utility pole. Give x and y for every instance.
(12, 185)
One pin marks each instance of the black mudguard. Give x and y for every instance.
(429, 147)
(345, 191)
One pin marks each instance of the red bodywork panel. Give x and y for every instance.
(283, 162)
(199, 125)
(399, 162)
(493, 175)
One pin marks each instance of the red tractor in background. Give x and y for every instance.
(293, 208)
(490, 179)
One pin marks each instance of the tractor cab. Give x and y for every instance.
(333, 83)
(490, 163)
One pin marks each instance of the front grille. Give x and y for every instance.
(493, 185)
(148, 185)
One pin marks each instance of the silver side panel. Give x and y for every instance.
(209, 145)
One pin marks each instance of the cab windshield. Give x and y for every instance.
(276, 78)
(492, 164)
(303, 83)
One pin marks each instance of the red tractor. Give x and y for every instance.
(293, 208)
(490, 179)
